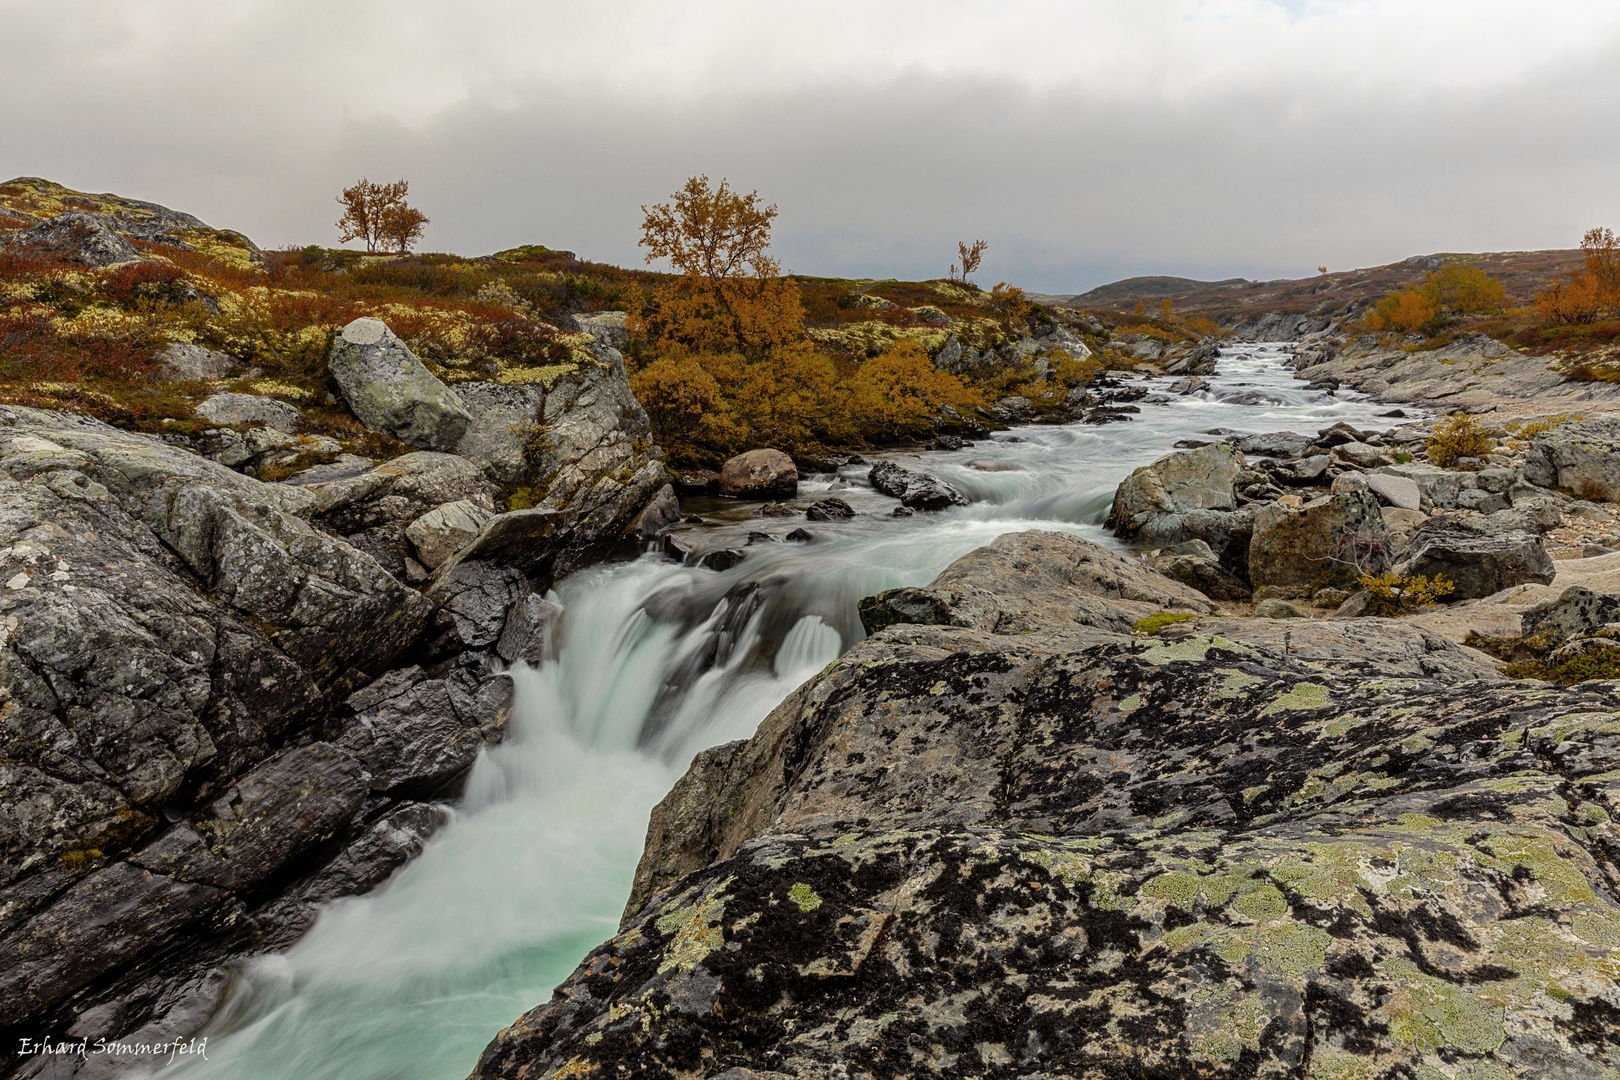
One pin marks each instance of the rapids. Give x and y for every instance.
(655, 663)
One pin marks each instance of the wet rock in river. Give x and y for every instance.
(915, 490)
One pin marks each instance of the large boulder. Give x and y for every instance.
(915, 490)
(956, 851)
(504, 420)
(389, 389)
(1333, 534)
(760, 474)
(1021, 583)
(1476, 557)
(1187, 495)
(1582, 456)
(1148, 503)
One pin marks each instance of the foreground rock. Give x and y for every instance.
(915, 490)
(389, 389)
(1070, 853)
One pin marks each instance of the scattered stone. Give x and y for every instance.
(902, 512)
(759, 474)
(1276, 609)
(389, 389)
(1153, 504)
(949, 442)
(1400, 492)
(799, 536)
(1439, 487)
(1360, 455)
(777, 510)
(1330, 598)
(915, 490)
(1192, 384)
(440, 532)
(829, 509)
(241, 409)
(761, 538)
(1345, 483)
(1280, 444)
(721, 559)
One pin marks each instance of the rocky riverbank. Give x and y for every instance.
(228, 701)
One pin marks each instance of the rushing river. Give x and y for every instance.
(656, 663)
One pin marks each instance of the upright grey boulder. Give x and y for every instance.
(389, 389)
(1187, 495)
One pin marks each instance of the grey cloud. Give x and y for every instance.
(1261, 176)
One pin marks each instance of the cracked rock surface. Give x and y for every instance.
(1063, 851)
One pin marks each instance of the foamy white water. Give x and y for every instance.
(658, 662)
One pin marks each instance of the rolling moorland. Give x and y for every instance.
(1317, 780)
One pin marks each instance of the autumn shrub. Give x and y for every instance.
(1449, 291)
(681, 398)
(1571, 301)
(131, 283)
(1455, 438)
(897, 394)
(1393, 594)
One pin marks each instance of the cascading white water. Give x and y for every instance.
(657, 662)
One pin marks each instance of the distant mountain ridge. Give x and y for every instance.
(1336, 293)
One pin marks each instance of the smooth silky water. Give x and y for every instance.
(655, 663)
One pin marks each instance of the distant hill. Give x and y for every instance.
(1139, 288)
(1339, 292)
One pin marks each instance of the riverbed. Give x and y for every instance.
(655, 662)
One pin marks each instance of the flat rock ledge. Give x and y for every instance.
(1038, 847)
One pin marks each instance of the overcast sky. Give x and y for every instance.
(1086, 141)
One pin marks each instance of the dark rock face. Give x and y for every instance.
(219, 711)
(1478, 559)
(915, 490)
(1071, 853)
(760, 474)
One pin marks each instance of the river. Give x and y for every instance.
(657, 662)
